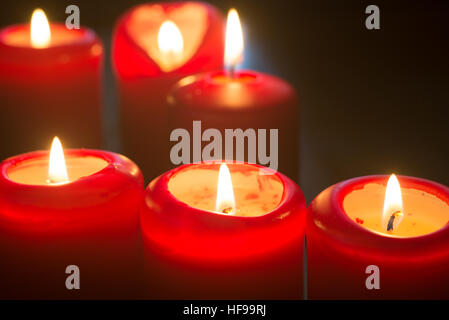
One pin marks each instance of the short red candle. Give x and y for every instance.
(241, 100)
(196, 252)
(91, 222)
(48, 91)
(145, 73)
(342, 241)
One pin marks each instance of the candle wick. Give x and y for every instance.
(227, 210)
(54, 182)
(395, 215)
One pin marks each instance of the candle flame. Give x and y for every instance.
(57, 171)
(171, 45)
(40, 29)
(393, 211)
(225, 202)
(234, 40)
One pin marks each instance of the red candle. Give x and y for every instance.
(155, 45)
(242, 100)
(214, 232)
(84, 213)
(400, 228)
(49, 84)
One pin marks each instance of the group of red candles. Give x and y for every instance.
(214, 229)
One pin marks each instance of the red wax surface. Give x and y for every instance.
(143, 85)
(339, 250)
(91, 222)
(249, 100)
(194, 253)
(49, 91)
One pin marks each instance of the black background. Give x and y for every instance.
(372, 101)
(274, 309)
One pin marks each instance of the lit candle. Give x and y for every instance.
(155, 45)
(74, 207)
(223, 231)
(398, 224)
(49, 84)
(234, 99)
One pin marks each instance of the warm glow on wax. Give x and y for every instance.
(234, 40)
(225, 202)
(171, 44)
(40, 30)
(57, 171)
(393, 211)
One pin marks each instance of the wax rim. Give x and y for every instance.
(87, 36)
(173, 172)
(73, 206)
(260, 81)
(209, 77)
(238, 74)
(407, 182)
(38, 155)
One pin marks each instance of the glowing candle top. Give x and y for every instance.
(55, 169)
(41, 34)
(395, 211)
(39, 30)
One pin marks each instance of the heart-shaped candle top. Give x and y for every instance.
(170, 35)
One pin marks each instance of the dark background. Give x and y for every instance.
(372, 101)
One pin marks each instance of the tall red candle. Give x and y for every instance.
(89, 220)
(50, 85)
(155, 45)
(241, 100)
(201, 244)
(346, 234)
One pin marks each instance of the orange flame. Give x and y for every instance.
(393, 211)
(234, 40)
(40, 30)
(225, 202)
(171, 45)
(57, 170)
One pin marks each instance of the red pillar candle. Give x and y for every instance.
(214, 233)
(85, 216)
(241, 100)
(399, 227)
(155, 45)
(49, 84)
